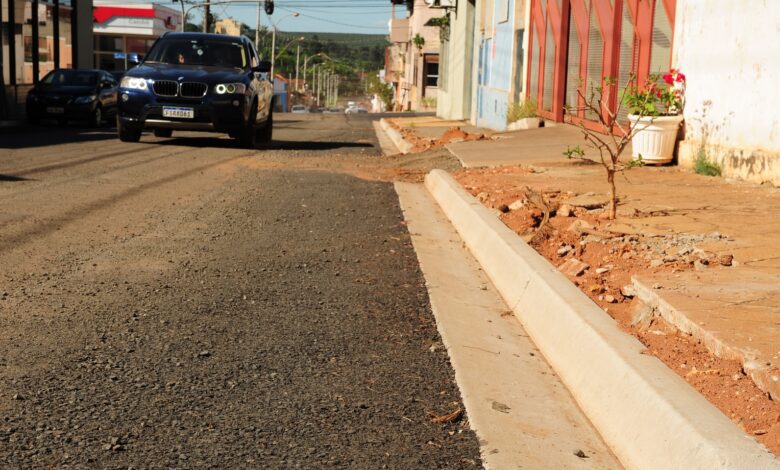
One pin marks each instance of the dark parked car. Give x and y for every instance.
(67, 94)
(198, 82)
(118, 74)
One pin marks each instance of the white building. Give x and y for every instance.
(125, 31)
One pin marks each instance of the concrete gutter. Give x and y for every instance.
(650, 417)
(398, 140)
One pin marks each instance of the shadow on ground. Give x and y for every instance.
(45, 134)
(11, 178)
(216, 142)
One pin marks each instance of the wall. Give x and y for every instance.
(414, 62)
(454, 100)
(728, 51)
(83, 37)
(495, 61)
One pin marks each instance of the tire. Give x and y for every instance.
(247, 137)
(163, 132)
(267, 131)
(127, 134)
(96, 120)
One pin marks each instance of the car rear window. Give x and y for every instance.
(198, 52)
(71, 78)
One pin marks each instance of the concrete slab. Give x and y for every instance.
(736, 315)
(520, 410)
(533, 146)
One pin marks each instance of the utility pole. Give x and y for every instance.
(257, 27)
(206, 15)
(319, 85)
(338, 80)
(273, 50)
(297, 64)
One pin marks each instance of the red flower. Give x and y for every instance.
(658, 93)
(680, 78)
(668, 78)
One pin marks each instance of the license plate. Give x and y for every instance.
(55, 110)
(185, 113)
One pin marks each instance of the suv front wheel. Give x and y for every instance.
(267, 130)
(247, 137)
(127, 134)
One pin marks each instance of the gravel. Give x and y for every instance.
(278, 320)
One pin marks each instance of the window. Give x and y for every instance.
(431, 70)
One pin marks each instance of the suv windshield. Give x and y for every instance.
(199, 52)
(71, 78)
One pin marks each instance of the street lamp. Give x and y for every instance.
(306, 63)
(294, 14)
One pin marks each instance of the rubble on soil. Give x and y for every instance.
(421, 144)
(600, 256)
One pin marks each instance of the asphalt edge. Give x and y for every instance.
(398, 140)
(650, 417)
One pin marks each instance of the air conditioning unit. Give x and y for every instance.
(442, 3)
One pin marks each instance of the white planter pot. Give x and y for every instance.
(655, 137)
(525, 123)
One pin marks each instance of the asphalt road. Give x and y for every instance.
(183, 303)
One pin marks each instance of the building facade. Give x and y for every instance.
(228, 26)
(413, 57)
(575, 44)
(125, 32)
(456, 62)
(37, 37)
(728, 52)
(500, 57)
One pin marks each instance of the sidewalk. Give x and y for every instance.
(691, 266)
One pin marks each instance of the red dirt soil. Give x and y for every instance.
(613, 259)
(422, 144)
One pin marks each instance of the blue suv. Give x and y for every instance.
(198, 82)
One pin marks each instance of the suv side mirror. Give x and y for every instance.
(263, 67)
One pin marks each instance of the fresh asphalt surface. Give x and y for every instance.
(183, 303)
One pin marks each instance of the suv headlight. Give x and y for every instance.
(229, 88)
(134, 83)
(85, 99)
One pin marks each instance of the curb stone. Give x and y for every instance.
(403, 145)
(649, 416)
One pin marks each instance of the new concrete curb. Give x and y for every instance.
(649, 416)
(403, 145)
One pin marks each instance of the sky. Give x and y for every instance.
(336, 16)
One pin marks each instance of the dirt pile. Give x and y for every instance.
(422, 144)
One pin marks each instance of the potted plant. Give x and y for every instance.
(656, 115)
(521, 116)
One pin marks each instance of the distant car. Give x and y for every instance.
(355, 110)
(198, 82)
(66, 94)
(299, 109)
(333, 111)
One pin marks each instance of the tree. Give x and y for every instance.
(612, 137)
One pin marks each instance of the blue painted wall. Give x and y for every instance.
(495, 77)
(280, 96)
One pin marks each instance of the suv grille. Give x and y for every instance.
(165, 88)
(193, 89)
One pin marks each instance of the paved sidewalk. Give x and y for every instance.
(734, 311)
